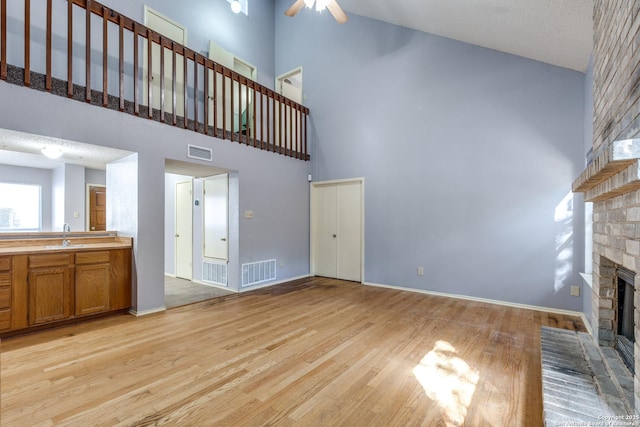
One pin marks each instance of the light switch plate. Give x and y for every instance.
(575, 291)
(248, 214)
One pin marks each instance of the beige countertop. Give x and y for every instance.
(49, 245)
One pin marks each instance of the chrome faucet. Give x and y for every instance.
(65, 229)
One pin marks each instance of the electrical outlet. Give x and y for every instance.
(420, 271)
(575, 291)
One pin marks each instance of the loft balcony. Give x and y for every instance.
(88, 52)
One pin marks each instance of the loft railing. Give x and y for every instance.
(97, 47)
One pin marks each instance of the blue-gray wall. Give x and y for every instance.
(468, 155)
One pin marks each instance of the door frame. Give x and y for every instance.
(312, 186)
(87, 209)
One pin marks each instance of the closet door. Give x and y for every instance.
(336, 229)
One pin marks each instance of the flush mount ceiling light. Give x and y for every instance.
(51, 152)
(332, 5)
(236, 7)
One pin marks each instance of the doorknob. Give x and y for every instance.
(177, 235)
(223, 239)
(335, 235)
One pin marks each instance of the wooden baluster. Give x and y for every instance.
(273, 147)
(195, 93)
(253, 126)
(280, 125)
(70, 49)
(136, 102)
(290, 143)
(27, 43)
(224, 104)
(215, 101)
(297, 132)
(205, 98)
(232, 112)
(48, 81)
(174, 87)
(87, 53)
(162, 79)
(149, 75)
(262, 122)
(185, 80)
(121, 60)
(239, 109)
(105, 56)
(305, 135)
(3, 39)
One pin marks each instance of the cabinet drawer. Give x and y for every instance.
(48, 260)
(5, 319)
(5, 297)
(92, 257)
(5, 263)
(5, 279)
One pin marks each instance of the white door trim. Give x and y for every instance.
(312, 186)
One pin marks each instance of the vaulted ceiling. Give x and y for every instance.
(558, 32)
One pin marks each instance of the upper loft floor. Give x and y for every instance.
(88, 52)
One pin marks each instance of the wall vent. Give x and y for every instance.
(201, 153)
(258, 272)
(213, 272)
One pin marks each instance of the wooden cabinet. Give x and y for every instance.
(49, 288)
(38, 289)
(92, 282)
(5, 293)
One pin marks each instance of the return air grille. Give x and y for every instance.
(214, 273)
(201, 153)
(258, 272)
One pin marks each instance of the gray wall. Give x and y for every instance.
(468, 155)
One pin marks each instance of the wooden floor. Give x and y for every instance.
(315, 352)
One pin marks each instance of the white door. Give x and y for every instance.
(242, 119)
(337, 229)
(216, 217)
(184, 230)
(176, 32)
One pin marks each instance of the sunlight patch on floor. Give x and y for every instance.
(447, 380)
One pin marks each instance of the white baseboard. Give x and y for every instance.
(214, 285)
(279, 282)
(170, 275)
(485, 300)
(146, 312)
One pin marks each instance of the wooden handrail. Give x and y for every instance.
(257, 116)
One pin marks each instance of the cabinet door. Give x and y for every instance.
(92, 288)
(49, 294)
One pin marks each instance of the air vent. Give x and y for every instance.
(258, 272)
(214, 273)
(201, 153)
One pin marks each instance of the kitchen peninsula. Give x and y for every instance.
(48, 279)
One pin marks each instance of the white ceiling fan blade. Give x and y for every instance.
(295, 8)
(337, 12)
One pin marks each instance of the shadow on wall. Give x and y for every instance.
(564, 242)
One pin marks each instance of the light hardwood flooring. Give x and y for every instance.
(315, 352)
(179, 292)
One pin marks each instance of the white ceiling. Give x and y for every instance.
(23, 149)
(558, 32)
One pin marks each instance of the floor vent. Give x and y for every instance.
(201, 153)
(214, 273)
(258, 272)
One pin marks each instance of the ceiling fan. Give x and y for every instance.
(332, 5)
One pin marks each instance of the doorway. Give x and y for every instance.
(337, 229)
(97, 207)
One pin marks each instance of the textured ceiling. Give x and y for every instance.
(23, 149)
(558, 32)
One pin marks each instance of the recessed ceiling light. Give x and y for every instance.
(51, 152)
(236, 7)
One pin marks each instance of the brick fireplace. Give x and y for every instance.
(612, 177)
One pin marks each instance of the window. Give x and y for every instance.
(19, 207)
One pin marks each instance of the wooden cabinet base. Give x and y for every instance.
(60, 323)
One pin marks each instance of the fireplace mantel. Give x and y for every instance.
(614, 170)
